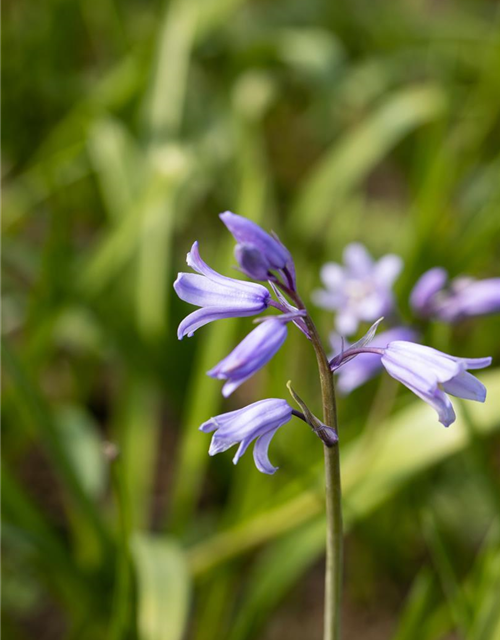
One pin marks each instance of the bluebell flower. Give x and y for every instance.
(217, 295)
(258, 253)
(424, 293)
(463, 297)
(258, 421)
(431, 375)
(360, 290)
(366, 366)
(252, 353)
(467, 298)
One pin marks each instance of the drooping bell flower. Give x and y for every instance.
(217, 295)
(258, 421)
(360, 290)
(463, 297)
(259, 253)
(431, 375)
(252, 353)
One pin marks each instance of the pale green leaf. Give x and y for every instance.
(163, 588)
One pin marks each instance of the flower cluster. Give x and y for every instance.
(359, 291)
(262, 257)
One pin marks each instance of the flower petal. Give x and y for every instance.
(203, 316)
(244, 444)
(251, 261)
(476, 363)
(374, 304)
(421, 358)
(414, 377)
(251, 354)
(346, 323)
(259, 421)
(431, 394)
(357, 259)
(388, 269)
(332, 275)
(248, 232)
(260, 454)
(202, 292)
(466, 386)
(327, 299)
(440, 402)
(218, 445)
(250, 289)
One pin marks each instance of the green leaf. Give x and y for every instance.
(79, 437)
(166, 95)
(163, 588)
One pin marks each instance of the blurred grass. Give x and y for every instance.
(137, 124)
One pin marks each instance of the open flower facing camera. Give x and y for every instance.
(358, 291)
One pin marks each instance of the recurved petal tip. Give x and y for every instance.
(466, 386)
(260, 454)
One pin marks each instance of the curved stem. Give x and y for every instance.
(299, 414)
(333, 490)
(350, 353)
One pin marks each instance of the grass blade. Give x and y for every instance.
(163, 588)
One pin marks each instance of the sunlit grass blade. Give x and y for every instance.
(137, 424)
(83, 445)
(163, 588)
(164, 106)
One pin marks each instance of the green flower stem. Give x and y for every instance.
(333, 490)
(334, 544)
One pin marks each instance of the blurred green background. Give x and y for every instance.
(127, 127)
